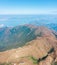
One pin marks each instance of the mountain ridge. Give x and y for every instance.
(19, 35)
(40, 46)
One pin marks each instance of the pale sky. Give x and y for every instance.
(28, 6)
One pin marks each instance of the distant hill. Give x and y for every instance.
(50, 25)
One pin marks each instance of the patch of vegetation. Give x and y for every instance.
(17, 37)
(35, 61)
(55, 63)
(5, 64)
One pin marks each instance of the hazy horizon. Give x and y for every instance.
(15, 20)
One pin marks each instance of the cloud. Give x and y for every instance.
(2, 25)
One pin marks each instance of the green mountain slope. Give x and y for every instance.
(18, 36)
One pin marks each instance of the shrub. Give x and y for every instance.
(35, 61)
(5, 64)
(55, 63)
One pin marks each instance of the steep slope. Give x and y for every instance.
(20, 35)
(38, 49)
(15, 37)
(42, 50)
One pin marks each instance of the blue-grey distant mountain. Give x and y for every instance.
(52, 26)
(14, 20)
